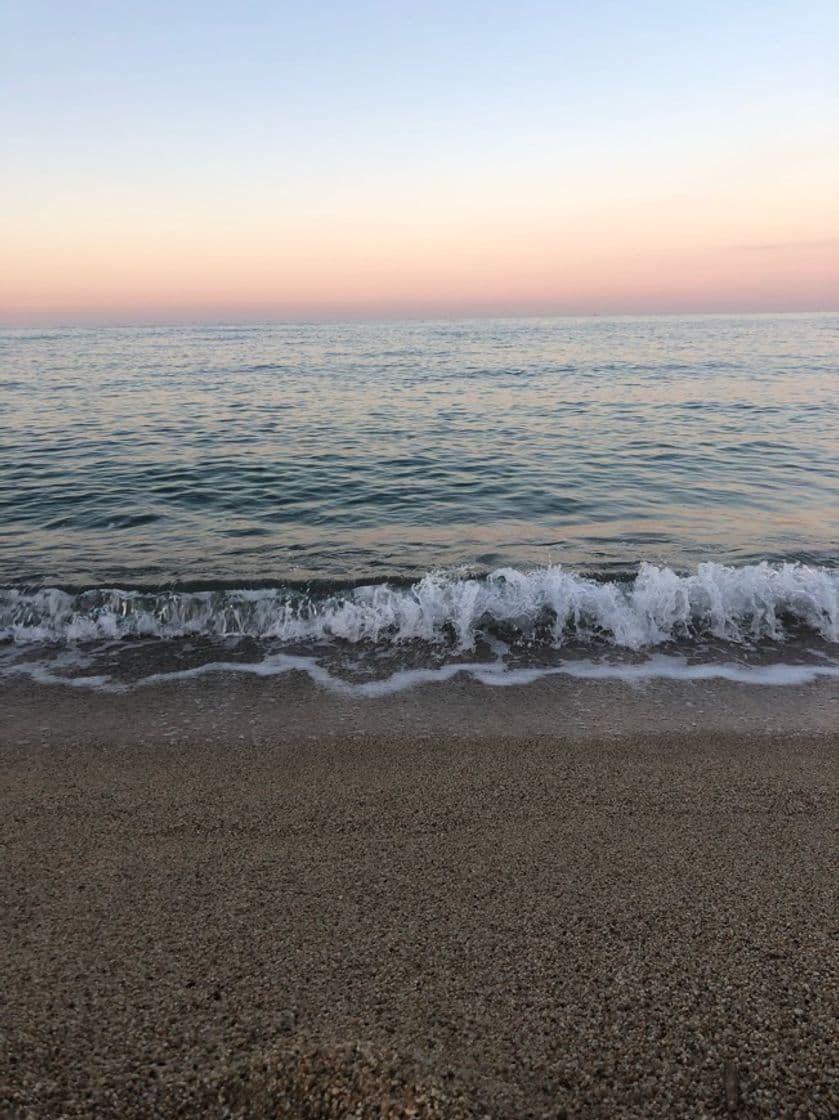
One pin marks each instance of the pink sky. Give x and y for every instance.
(431, 166)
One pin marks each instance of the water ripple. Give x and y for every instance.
(352, 450)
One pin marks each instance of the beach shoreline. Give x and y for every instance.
(572, 898)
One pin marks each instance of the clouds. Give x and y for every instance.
(813, 244)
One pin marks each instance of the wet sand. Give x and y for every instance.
(236, 897)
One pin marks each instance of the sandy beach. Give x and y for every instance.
(233, 897)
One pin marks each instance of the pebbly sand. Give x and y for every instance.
(234, 897)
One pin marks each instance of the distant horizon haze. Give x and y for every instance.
(267, 317)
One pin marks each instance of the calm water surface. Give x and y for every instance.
(287, 453)
(638, 481)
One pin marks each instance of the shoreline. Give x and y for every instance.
(570, 898)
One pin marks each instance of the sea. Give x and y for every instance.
(384, 504)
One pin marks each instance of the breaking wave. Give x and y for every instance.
(550, 606)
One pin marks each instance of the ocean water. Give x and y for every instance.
(378, 504)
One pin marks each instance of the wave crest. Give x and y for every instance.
(547, 605)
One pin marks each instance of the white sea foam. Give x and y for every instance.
(491, 674)
(547, 605)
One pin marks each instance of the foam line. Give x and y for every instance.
(492, 674)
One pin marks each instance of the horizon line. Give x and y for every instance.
(314, 320)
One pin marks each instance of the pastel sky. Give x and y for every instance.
(182, 161)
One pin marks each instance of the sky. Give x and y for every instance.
(270, 161)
